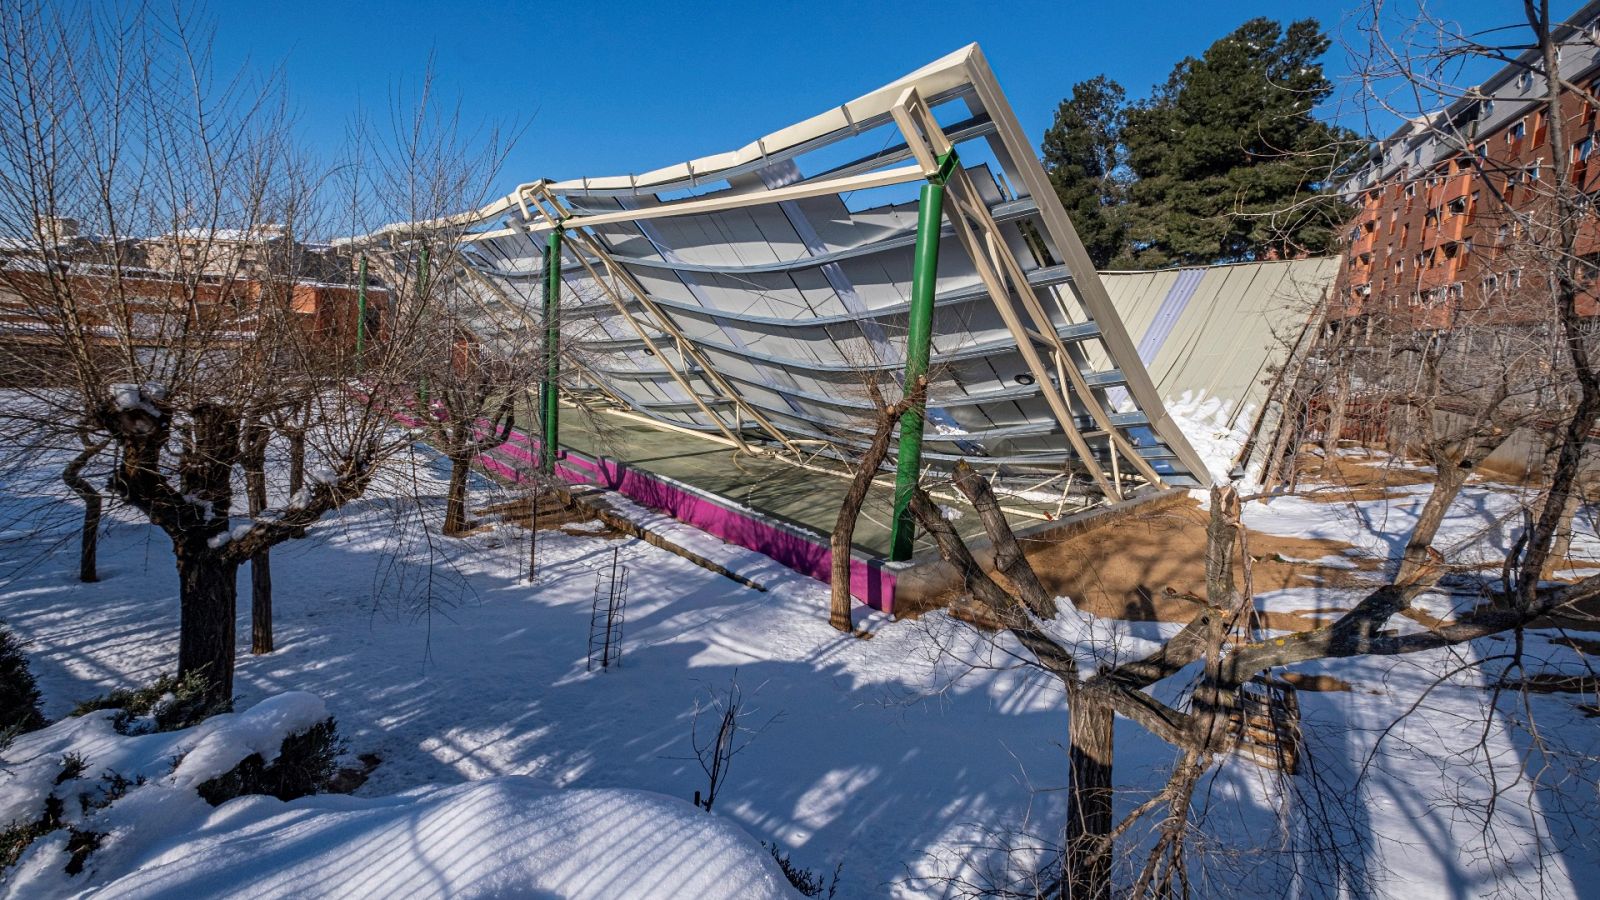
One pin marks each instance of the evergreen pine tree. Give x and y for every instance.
(1230, 163)
(1083, 154)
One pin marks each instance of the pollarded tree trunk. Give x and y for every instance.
(455, 504)
(207, 600)
(1087, 867)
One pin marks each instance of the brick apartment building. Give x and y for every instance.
(227, 274)
(1433, 240)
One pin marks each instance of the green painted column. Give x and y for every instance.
(550, 410)
(361, 310)
(919, 333)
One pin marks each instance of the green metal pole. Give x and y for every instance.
(361, 310)
(919, 333)
(550, 410)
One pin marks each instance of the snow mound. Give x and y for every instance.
(500, 837)
(511, 836)
(1212, 429)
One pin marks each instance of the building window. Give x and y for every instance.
(1517, 130)
(1582, 149)
(1514, 278)
(1524, 80)
(1488, 108)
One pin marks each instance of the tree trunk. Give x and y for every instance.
(1445, 489)
(455, 506)
(89, 542)
(297, 460)
(255, 480)
(261, 603)
(1087, 867)
(844, 527)
(1562, 545)
(208, 594)
(1338, 402)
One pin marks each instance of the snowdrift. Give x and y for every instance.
(510, 836)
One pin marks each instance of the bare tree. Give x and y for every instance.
(1465, 375)
(176, 319)
(844, 527)
(473, 384)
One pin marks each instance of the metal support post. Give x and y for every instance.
(919, 335)
(549, 409)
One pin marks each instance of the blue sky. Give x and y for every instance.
(609, 88)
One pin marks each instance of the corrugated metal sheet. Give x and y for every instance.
(1237, 323)
(786, 307)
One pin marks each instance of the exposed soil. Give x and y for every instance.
(1321, 683)
(348, 778)
(1149, 565)
(1343, 479)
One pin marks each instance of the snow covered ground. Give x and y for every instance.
(898, 756)
(506, 836)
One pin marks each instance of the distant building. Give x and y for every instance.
(1436, 202)
(225, 275)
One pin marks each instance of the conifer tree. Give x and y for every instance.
(1231, 163)
(1083, 154)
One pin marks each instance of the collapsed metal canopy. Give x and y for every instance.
(754, 293)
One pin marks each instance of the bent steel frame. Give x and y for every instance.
(752, 294)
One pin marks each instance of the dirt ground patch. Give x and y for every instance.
(1151, 566)
(1345, 478)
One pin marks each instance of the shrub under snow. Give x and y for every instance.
(19, 696)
